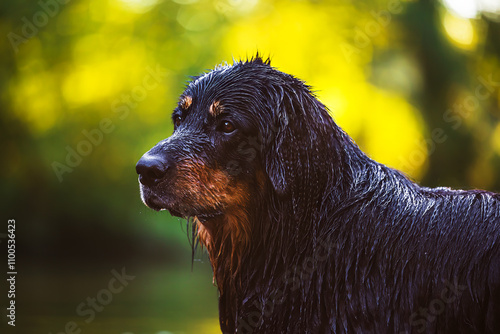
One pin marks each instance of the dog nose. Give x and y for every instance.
(151, 169)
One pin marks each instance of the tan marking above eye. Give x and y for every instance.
(186, 102)
(215, 108)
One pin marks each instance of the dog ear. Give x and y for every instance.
(288, 146)
(276, 157)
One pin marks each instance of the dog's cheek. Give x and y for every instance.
(201, 187)
(237, 156)
(223, 190)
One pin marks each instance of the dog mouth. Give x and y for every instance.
(151, 200)
(162, 203)
(201, 215)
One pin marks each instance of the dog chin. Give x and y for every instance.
(153, 203)
(151, 200)
(203, 217)
(157, 203)
(200, 215)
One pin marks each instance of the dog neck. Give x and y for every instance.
(226, 239)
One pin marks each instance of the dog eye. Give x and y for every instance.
(177, 121)
(226, 127)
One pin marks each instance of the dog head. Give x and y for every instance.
(211, 160)
(237, 129)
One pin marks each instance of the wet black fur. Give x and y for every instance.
(339, 242)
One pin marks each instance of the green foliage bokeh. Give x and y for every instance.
(414, 83)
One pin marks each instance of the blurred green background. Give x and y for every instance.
(87, 87)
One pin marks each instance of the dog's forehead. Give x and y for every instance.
(206, 78)
(208, 92)
(238, 90)
(221, 81)
(227, 82)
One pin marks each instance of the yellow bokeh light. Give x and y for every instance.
(36, 101)
(394, 134)
(460, 31)
(208, 326)
(118, 12)
(139, 6)
(385, 126)
(195, 20)
(101, 71)
(495, 140)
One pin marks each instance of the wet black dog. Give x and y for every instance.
(305, 233)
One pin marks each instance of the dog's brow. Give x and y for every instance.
(186, 102)
(215, 109)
